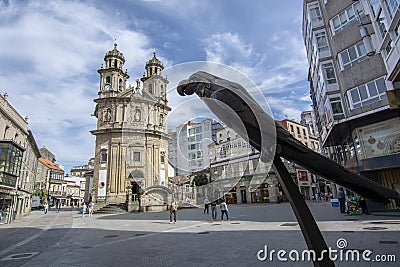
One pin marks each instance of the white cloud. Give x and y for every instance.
(50, 53)
(287, 107)
(276, 72)
(227, 47)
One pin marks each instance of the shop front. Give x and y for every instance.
(231, 196)
(10, 167)
(5, 208)
(260, 194)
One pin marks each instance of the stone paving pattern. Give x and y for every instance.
(147, 239)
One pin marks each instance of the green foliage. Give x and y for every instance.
(200, 179)
(40, 192)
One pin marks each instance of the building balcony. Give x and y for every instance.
(10, 162)
(393, 62)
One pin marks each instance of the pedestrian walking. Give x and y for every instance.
(84, 207)
(46, 207)
(214, 210)
(341, 198)
(206, 203)
(91, 205)
(316, 196)
(58, 205)
(224, 210)
(173, 208)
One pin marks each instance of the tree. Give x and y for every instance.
(200, 179)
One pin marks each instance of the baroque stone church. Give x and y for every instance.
(131, 161)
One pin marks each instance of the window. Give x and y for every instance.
(367, 93)
(198, 129)
(162, 90)
(198, 137)
(162, 159)
(392, 6)
(382, 23)
(161, 119)
(192, 131)
(397, 29)
(291, 129)
(103, 156)
(191, 139)
(337, 108)
(136, 156)
(388, 47)
(352, 55)
(315, 13)
(329, 73)
(322, 43)
(340, 21)
(375, 6)
(192, 146)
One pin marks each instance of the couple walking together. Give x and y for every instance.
(223, 206)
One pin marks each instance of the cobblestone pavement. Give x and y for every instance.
(147, 239)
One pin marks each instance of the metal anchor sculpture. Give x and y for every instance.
(210, 87)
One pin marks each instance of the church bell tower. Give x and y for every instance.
(112, 77)
(131, 161)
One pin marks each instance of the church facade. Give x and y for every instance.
(131, 161)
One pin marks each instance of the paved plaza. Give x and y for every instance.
(148, 239)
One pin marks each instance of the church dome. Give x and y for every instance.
(114, 53)
(154, 61)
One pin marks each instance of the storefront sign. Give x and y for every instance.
(302, 176)
(380, 139)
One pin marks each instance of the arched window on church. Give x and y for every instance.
(162, 90)
(109, 63)
(108, 79)
(161, 119)
(120, 84)
(115, 63)
(150, 88)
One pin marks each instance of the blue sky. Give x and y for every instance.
(51, 50)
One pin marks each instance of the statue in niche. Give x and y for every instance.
(137, 115)
(161, 120)
(107, 115)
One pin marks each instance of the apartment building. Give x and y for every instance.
(188, 146)
(308, 183)
(237, 172)
(352, 49)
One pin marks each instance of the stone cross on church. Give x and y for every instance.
(131, 161)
